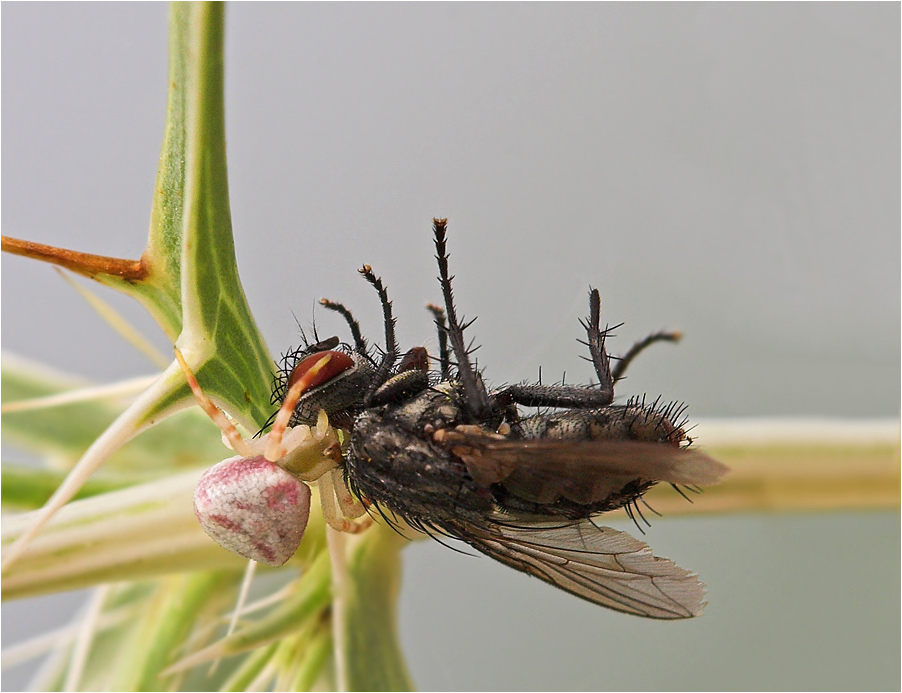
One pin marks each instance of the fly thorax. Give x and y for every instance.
(434, 409)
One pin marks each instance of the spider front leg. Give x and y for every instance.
(229, 432)
(257, 504)
(341, 510)
(350, 506)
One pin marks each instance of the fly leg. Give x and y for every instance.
(410, 380)
(572, 396)
(359, 341)
(477, 402)
(627, 358)
(391, 344)
(441, 325)
(596, 337)
(563, 396)
(400, 387)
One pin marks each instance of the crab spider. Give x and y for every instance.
(257, 504)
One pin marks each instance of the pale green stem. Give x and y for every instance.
(84, 639)
(122, 389)
(239, 607)
(242, 595)
(134, 533)
(61, 637)
(337, 548)
(250, 669)
(311, 596)
(308, 672)
(138, 417)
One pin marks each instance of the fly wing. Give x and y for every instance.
(583, 471)
(598, 564)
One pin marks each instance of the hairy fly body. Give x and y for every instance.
(448, 456)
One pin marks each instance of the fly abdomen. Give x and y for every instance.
(621, 422)
(579, 462)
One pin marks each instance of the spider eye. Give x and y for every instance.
(339, 363)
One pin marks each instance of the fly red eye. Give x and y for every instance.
(339, 363)
(417, 359)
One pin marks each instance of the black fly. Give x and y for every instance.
(450, 457)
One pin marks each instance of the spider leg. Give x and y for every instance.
(274, 449)
(236, 442)
(350, 506)
(330, 503)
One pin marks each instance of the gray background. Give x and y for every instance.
(728, 169)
